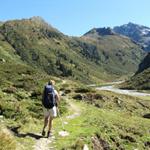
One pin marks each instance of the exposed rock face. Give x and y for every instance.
(100, 32)
(138, 33)
(99, 143)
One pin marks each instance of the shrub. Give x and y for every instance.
(63, 106)
(6, 141)
(9, 90)
(82, 90)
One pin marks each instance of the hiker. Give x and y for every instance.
(50, 101)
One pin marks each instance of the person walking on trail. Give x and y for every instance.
(50, 101)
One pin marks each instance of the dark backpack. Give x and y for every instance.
(49, 97)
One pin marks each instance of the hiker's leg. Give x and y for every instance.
(53, 113)
(46, 116)
(45, 125)
(45, 122)
(50, 123)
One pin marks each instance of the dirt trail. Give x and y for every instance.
(44, 143)
(75, 109)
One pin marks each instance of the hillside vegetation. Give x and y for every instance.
(33, 52)
(88, 60)
(141, 80)
(117, 53)
(105, 120)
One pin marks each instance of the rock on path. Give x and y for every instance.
(43, 144)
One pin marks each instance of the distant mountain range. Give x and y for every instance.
(138, 33)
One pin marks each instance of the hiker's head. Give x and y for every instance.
(51, 82)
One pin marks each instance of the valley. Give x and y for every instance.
(114, 115)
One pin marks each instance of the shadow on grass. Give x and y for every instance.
(23, 135)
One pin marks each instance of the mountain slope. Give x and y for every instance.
(145, 64)
(30, 50)
(96, 32)
(87, 59)
(138, 33)
(116, 53)
(44, 47)
(141, 80)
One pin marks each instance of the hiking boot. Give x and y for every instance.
(43, 133)
(48, 134)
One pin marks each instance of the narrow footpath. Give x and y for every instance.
(44, 143)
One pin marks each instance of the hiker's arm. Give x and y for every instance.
(57, 98)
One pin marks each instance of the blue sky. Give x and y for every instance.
(75, 17)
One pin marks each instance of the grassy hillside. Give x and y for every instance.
(141, 80)
(32, 52)
(42, 46)
(105, 129)
(116, 53)
(106, 121)
(116, 121)
(21, 89)
(145, 64)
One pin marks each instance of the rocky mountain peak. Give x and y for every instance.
(138, 33)
(100, 32)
